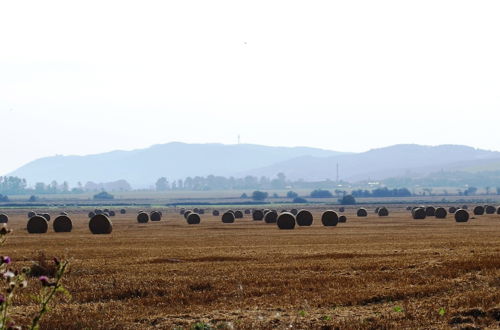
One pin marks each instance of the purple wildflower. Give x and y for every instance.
(2, 299)
(5, 260)
(44, 280)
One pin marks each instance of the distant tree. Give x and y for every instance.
(291, 194)
(259, 195)
(40, 187)
(162, 184)
(4, 198)
(428, 190)
(103, 196)
(32, 198)
(275, 195)
(470, 191)
(244, 195)
(348, 200)
(65, 187)
(320, 193)
(299, 200)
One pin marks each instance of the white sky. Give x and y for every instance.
(80, 77)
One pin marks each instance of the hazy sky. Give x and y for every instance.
(80, 77)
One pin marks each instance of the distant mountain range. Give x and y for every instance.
(378, 164)
(141, 168)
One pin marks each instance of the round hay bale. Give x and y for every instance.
(143, 217)
(215, 213)
(228, 217)
(155, 216)
(330, 218)
(461, 216)
(342, 209)
(294, 211)
(441, 213)
(100, 225)
(91, 214)
(419, 213)
(123, 211)
(201, 211)
(464, 207)
(452, 210)
(63, 213)
(409, 208)
(231, 211)
(31, 214)
(98, 211)
(430, 211)
(238, 214)
(196, 210)
(490, 209)
(377, 209)
(112, 213)
(182, 211)
(304, 218)
(342, 219)
(62, 224)
(106, 214)
(106, 211)
(285, 221)
(498, 210)
(258, 215)
(362, 212)
(271, 217)
(193, 219)
(37, 225)
(46, 216)
(383, 212)
(187, 213)
(478, 210)
(247, 211)
(4, 218)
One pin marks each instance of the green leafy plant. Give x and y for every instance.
(442, 311)
(398, 309)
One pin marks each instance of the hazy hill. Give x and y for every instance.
(378, 164)
(143, 167)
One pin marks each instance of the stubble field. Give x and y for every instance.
(368, 273)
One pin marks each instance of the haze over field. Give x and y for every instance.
(89, 77)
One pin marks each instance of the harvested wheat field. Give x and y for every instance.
(368, 273)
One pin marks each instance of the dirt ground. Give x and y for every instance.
(368, 273)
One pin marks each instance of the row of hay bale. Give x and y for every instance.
(423, 212)
(144, 217)
(304, 218)
(460, 214)
(45, 215)
(106, 212)
(195, 210)
(288, 220)
(486, 209)
(38, 224)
